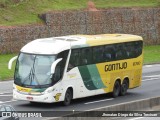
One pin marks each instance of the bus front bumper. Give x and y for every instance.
(43, 98)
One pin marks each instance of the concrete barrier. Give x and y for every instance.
(139, 105)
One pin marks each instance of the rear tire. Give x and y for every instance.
(124, 88)
(116, 89)
(68, 98)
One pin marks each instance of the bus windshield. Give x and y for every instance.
(34, 70)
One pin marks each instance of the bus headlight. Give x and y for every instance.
(49, 90)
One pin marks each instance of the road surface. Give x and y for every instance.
(150, 88)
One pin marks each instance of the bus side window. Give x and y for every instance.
(98, 54)
(138, 48)
(134, 49)
(109, 53)
(61, 65)
(74, 59)
(86, 56)
(121, 52)
(130, 50)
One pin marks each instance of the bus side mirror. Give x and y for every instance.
(11, 61)
(53, 66)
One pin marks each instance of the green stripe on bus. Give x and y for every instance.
(38, 90)
(85, 74)
(96, 78)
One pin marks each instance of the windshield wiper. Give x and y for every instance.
(35, 75)
(31, 76)
(28, 77)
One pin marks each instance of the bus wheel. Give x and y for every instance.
(116, 89)
(124, 88)
(68, 97)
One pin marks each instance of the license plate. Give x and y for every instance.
(29, 98)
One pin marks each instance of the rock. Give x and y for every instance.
(91, 6)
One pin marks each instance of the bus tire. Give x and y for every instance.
(68, 97)
(124, 88)
(116, 89)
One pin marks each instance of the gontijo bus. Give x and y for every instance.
(69, 67)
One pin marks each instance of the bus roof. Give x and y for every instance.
(54, 45)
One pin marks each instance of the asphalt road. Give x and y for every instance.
(150, 88)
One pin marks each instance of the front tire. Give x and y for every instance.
(68, 98)
(116, 89)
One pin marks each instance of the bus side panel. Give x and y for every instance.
(104, 76)
(111, 71)
(74, 78)
(136, 66)
(100, 78)
(91, 77)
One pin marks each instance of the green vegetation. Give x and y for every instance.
(151, 55)
(126, 3)
(19, 12)
(4, 72)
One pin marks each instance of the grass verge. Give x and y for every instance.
(6, 74)
(151, 55)
(19, 12)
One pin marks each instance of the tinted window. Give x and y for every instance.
(2, 109)
(8, 108)
(138, 48)
(121, 52)
(86, 56)
(60, 66)
(98, 54)
(12, 109)
(109, 53)
(130, 50)
(105, 53)
(74, 59)
(134, 49)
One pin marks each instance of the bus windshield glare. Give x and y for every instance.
(34, 70)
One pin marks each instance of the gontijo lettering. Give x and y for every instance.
(116, 66)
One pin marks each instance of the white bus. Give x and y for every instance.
(64, 68)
